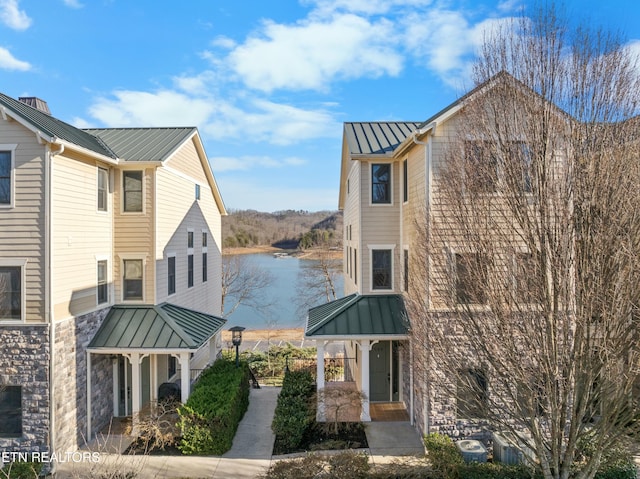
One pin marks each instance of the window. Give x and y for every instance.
(171, 367)
(470, 278)
(103, 285)
(10, 293)
(406, 270)
(381, 268)
(6, 175)
(472, 394)
(103, 189)
(189, 239)
(132, 279)
(355, 266)
(11, 411)
(190, 271)
(171, 275)
(482, 167)
(132, 186)
(204, 239)
(525, 277)
(405, 181)
(204, 267)
(197, 192)
(381, 183)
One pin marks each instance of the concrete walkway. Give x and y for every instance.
(251, 453)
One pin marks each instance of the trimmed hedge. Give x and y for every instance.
(210, 417)
(294, 411)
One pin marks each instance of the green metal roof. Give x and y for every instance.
(143, 144)
(377, 137)
(164, 326)
(55, 128)
(359, 315)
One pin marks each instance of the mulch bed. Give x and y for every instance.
(140, 447)
(319, 438)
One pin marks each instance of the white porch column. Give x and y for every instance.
(88, 396)
(320, 413)
(153, 379)
(136, 397)
(365, 347)
(185, 377)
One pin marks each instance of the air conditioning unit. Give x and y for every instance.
(472, 451)
(509, 448)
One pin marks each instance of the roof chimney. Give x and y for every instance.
(36, 103)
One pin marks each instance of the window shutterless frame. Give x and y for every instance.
(7, 175)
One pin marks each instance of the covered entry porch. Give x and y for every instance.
(152, 346)
(373, 329)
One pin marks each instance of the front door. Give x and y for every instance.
(379, 372)
(124, 387)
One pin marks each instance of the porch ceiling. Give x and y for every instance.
(163, 326)
(359, 315)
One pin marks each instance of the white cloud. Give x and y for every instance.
(310, 54)
(73, 3)
(228, 163)
(9, 62)
(248, 119)
(163, 108)
(367, 7)
(12, 16)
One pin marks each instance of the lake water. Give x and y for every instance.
(282, 292)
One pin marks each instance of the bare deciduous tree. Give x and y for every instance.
(529, 309)
(317, 281)
(244, 283)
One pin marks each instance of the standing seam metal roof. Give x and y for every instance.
(165, 326)
(53, 127)
(143, 144)
(359, 315)
(375, 138)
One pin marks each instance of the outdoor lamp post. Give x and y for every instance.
(236, 339)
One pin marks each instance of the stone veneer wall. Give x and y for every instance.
(441, 405)
(72, 336)
(24, 361)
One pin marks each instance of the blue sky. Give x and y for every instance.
(268, 83)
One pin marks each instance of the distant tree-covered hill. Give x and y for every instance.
(284, 229)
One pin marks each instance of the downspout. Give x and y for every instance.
(428, 188)
(48, 299)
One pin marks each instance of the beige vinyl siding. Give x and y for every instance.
(352, 220)
(417, 184)
(177, 213)
(133, 235)
(380, 225)
(187, 161)
(22, 234)
(80, 236)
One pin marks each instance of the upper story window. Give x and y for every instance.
(482, 167)
(103, 189)
(10, 293)
(103, 283)
(381, 270)
(405, 181)
(197, 192)
(132, 280)
(7, 168)
(490, 165)
(470, 278)
(381, 183)
(132, 191)
(204, 239)
(11, 411)
(525, 277)
(190, 239)
(171, 275)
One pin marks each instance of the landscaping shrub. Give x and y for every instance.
(21, 470)
(294, 410)
(443, 455)
(346, 465)
(210, 417)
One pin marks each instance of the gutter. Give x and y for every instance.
(48, 298)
